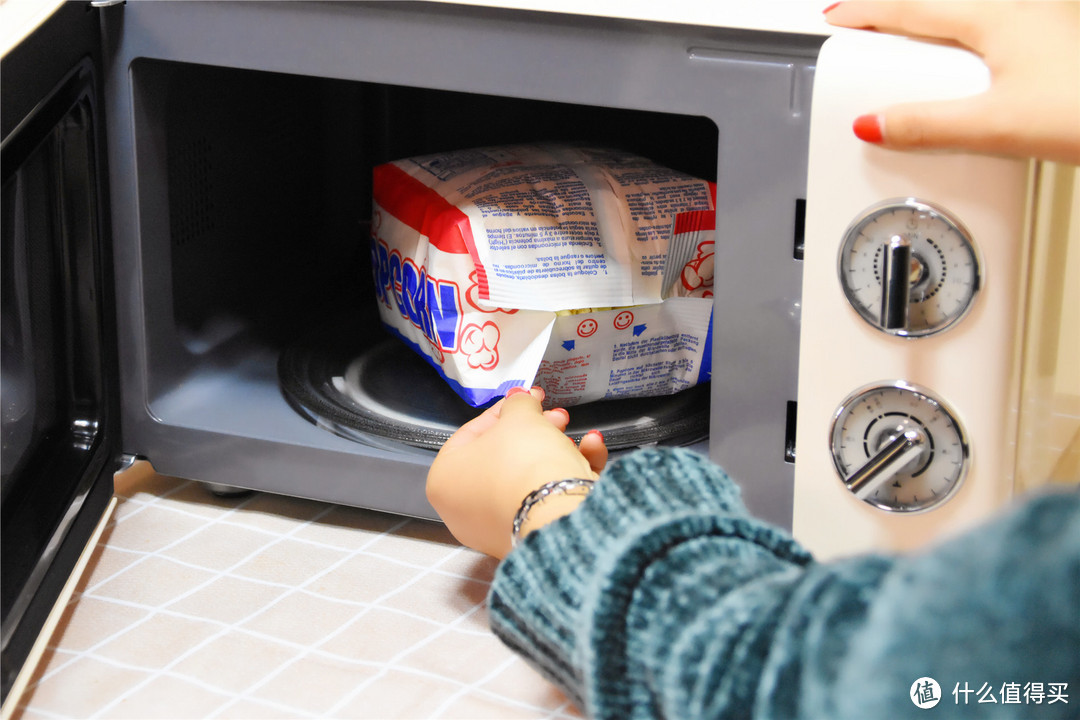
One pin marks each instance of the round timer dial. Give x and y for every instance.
(899, 448)
(908, 268)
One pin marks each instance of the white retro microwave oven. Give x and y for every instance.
(186, 274)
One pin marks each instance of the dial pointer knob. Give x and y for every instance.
(890, 460)
(908, 268)
(896, 285)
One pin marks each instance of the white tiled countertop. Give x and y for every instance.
(275, 607)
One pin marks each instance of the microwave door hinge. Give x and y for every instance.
(106, 3)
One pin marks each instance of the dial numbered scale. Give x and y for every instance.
(910, 270)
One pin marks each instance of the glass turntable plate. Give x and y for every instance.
(386, 391)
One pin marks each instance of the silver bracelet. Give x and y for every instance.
(570, 486)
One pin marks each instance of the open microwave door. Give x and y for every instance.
(59, 389)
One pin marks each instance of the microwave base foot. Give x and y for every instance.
(225, 491)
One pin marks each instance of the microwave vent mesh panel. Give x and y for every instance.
(190, 182)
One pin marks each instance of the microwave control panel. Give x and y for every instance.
(912, 287)
(910, 270)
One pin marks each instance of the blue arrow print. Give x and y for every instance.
(568, 345)
(638, 329)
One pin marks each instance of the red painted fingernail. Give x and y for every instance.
(515, 391)
(563, 411)
(831, 7)
(868, 128)
(597, 432)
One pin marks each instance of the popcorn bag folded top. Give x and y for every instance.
(585, 270)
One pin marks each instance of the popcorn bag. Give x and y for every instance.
(586, 271)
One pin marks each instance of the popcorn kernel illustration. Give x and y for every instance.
(481, 345)
(697, 276)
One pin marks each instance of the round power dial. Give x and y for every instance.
(909, 268)
(898, 448)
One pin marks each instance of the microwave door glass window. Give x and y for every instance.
(29, 373)
(17, 377)
(51, 387)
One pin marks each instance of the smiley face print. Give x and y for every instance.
(587, 327)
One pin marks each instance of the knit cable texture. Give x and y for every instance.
(661, 597)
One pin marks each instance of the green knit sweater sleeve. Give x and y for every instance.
(564, 598)
(661, 597)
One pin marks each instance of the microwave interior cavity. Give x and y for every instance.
(268, 189)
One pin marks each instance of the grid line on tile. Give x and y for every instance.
(474, 686)
(395, 663)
